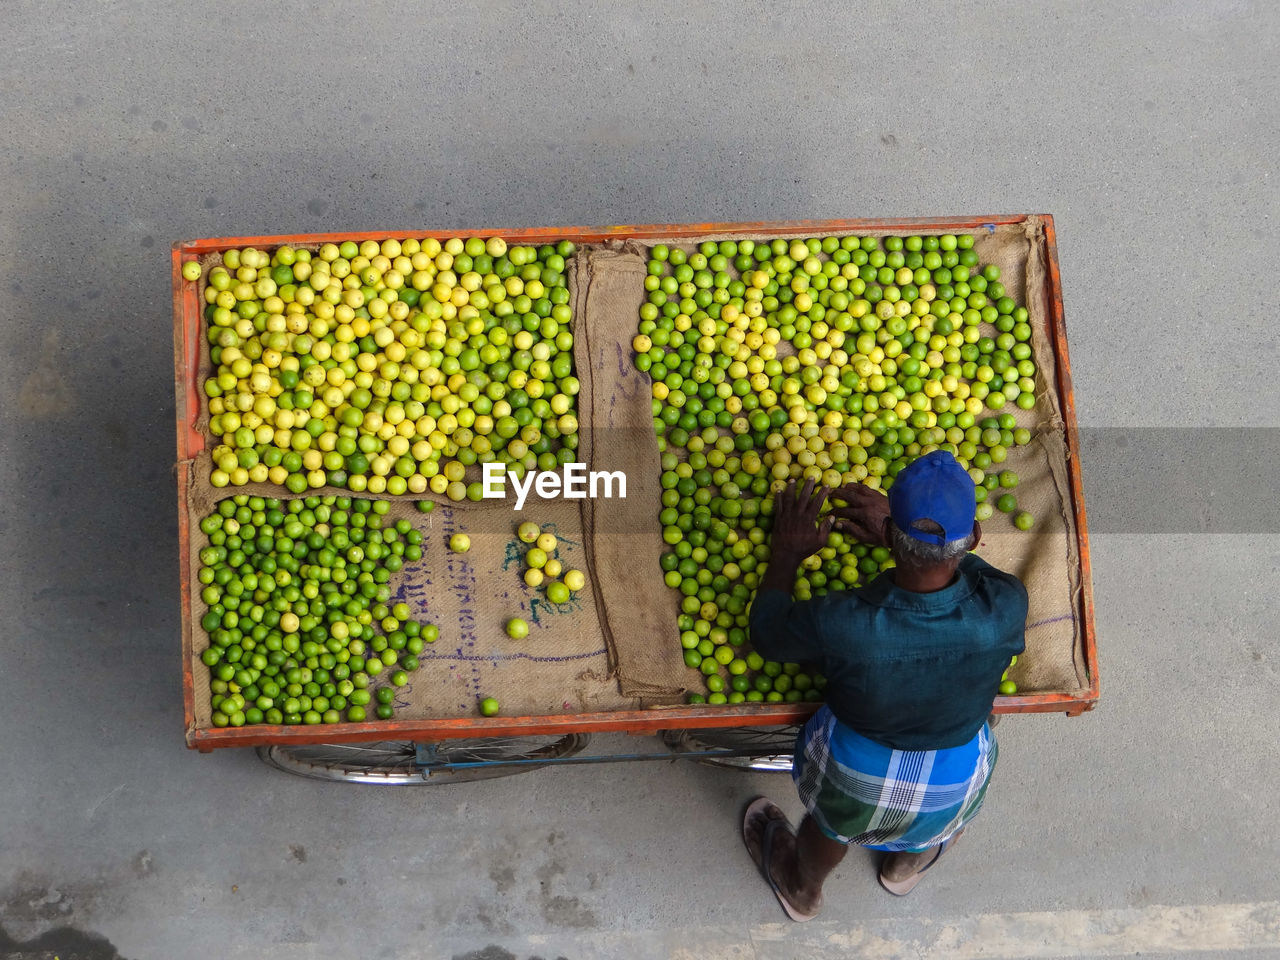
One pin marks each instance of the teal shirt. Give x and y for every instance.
(912, 671)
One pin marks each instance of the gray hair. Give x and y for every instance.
(910, 552)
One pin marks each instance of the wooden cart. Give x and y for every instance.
(418, 737)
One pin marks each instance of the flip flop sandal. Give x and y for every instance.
(900, 888)
(772, 825)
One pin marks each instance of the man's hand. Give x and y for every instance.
(796, 531)
(864, 517)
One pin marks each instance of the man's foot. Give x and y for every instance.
(772, 846)
(900, 872)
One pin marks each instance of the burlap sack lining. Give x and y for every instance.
(615, 646)
(563, 666)
(638, 612)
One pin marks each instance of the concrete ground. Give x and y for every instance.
(1148, 130)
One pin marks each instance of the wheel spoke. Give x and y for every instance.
(748, 748)
(397, 761)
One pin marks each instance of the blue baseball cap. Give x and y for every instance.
(933, 487)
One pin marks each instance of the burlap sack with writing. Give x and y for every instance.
(563, 666)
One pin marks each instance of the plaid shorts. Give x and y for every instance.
(867, 794)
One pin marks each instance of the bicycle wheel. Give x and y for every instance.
(405, 763)
(765, 749)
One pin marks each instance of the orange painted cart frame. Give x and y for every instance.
(187, 313)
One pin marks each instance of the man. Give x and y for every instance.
(899, 757)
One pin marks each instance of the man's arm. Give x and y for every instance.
(781, 572)
(784, 629)
(796, 533)
(781, 629)
(866, 514)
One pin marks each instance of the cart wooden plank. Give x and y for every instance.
(188, 321)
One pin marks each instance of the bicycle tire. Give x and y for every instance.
(759, 749)
(397, 762)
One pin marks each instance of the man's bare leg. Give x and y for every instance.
(801, 862)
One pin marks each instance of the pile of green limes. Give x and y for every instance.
(390, 367)
(298, 622)
(840, 359)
